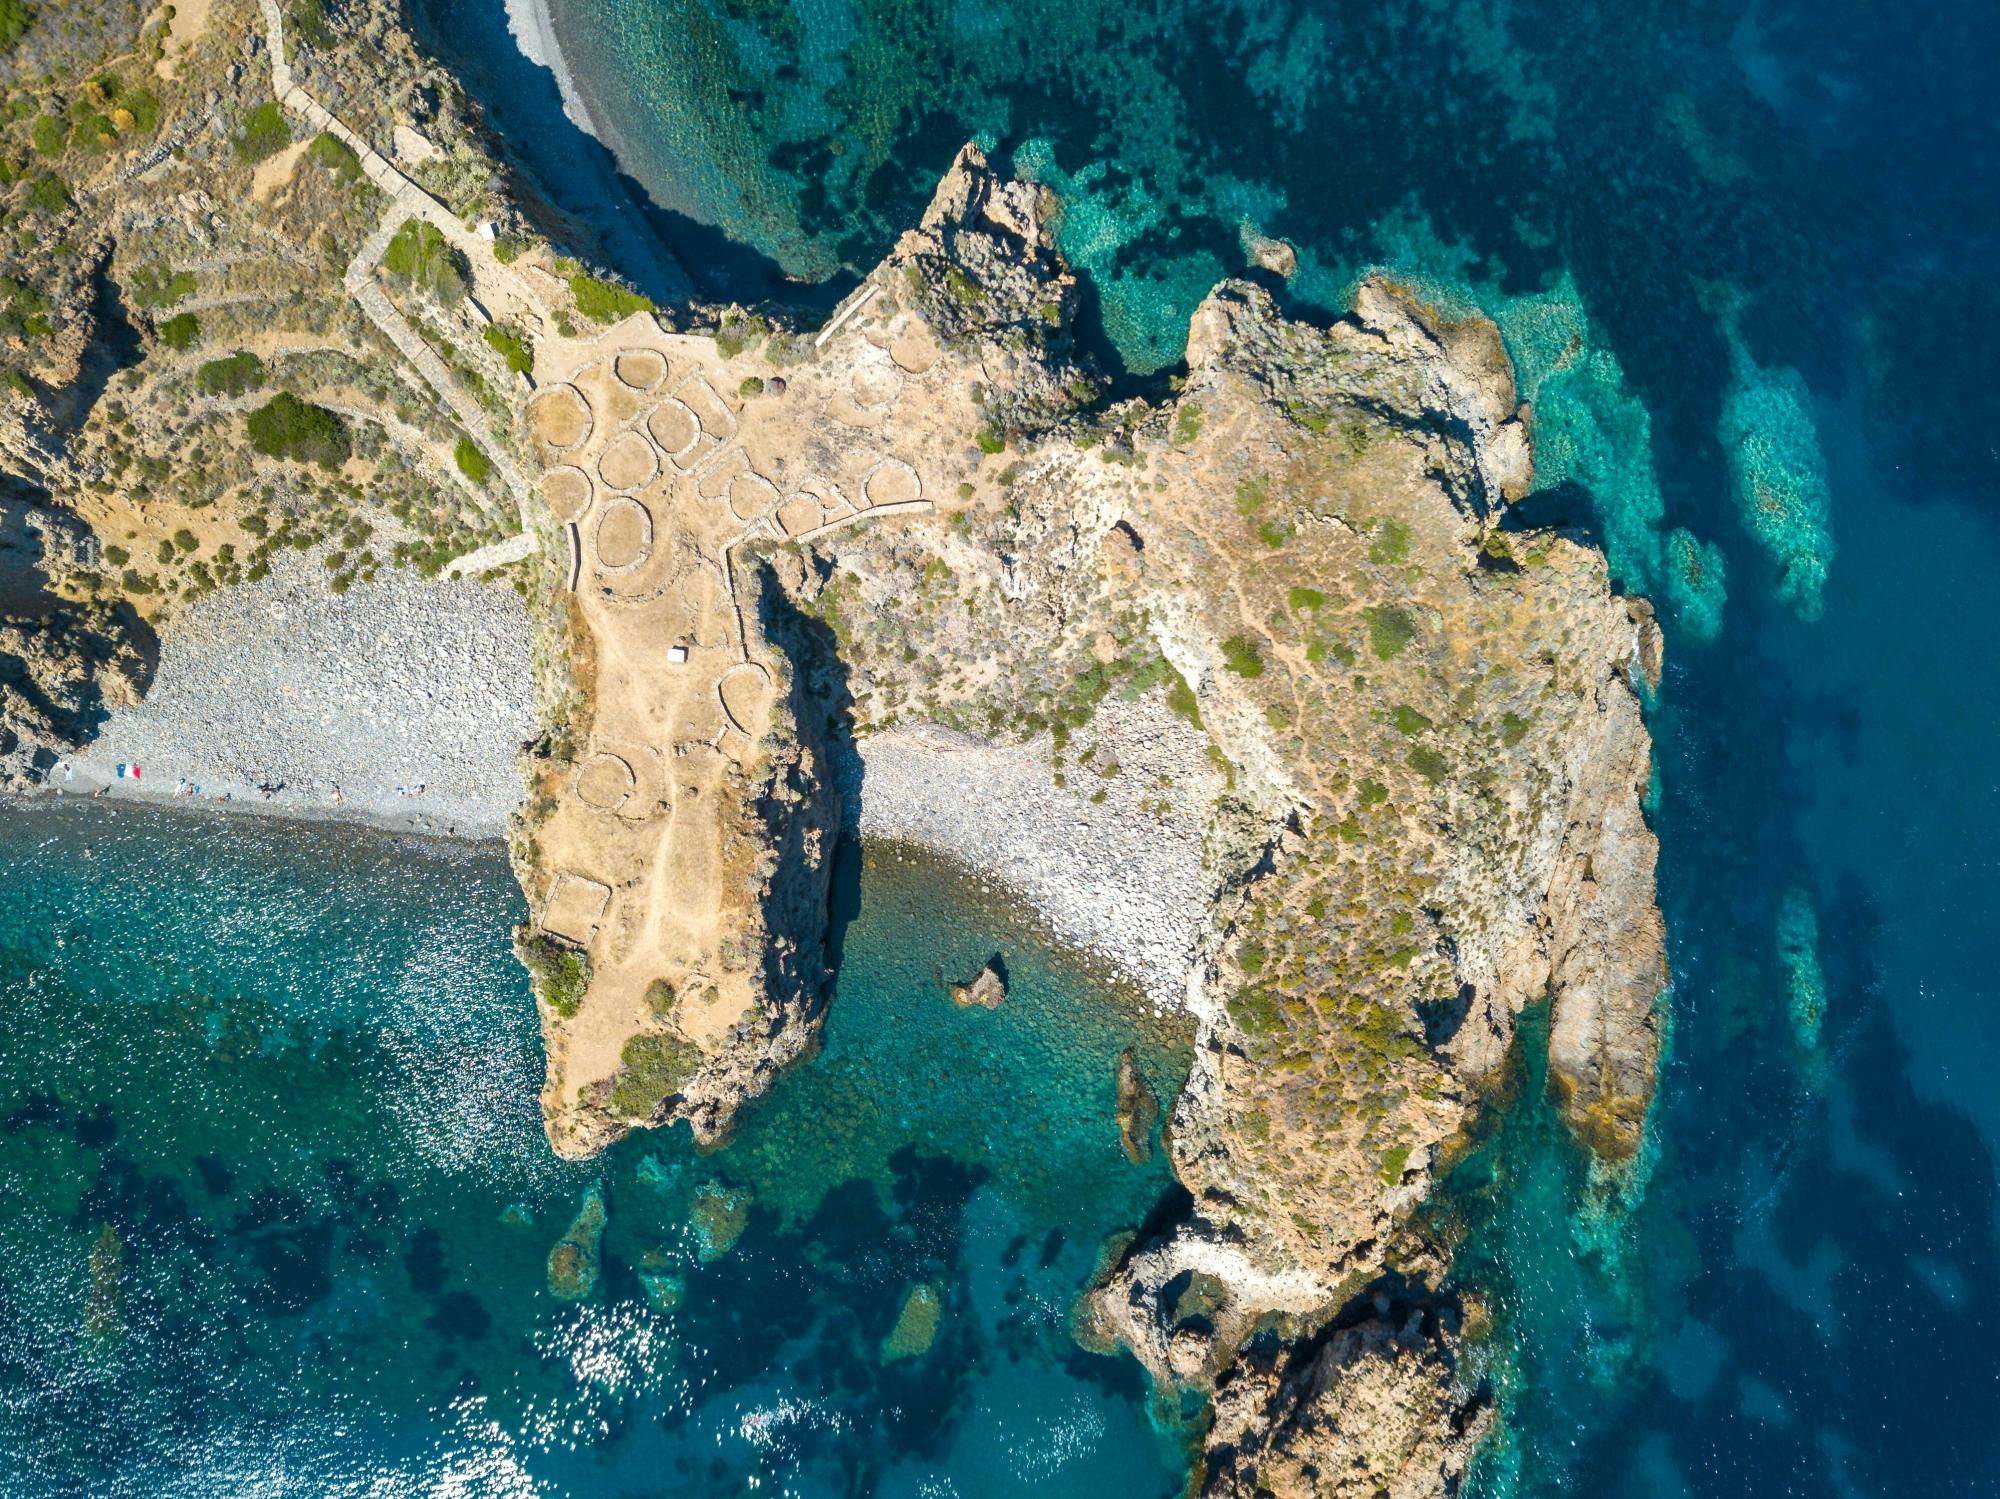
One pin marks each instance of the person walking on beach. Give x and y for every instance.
(337, 797)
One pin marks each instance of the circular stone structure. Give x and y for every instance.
(751, 495)
(875, 386)
(560, 416)
(892, 482)
(745, 690)
(674, 427)
(914, 350)
(799, 514)
(639, 369)
(627, 462)
(605, 781)
(567, 490)
(624, 536)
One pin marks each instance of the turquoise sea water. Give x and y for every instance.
(276, 1215)
(1741, 252)
(1742, 255)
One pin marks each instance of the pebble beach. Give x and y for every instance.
(347, 704)
(1111, 862)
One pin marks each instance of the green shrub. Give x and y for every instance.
(1390, 629)
(1181, 699)
(286, 427)
(1187, 423)
(516, 350)
(751, 386)
(1393, 1161)
(48, 194)
(91, 131)
(50, 135)
(16, 383)
(963, 289)
(1251, 495)
(1513, 728)
(737, 333)
(990, 439)
(24, 310)
(562, 974)
(474, 464)
(14, 17)
(1240, 655)
(655, 1066)
(1409, 721)
(1391, 544)
(159, 286)
(334, 154)
(264, 133)
(145, 108)
(1428, 763)
(661, 998)
(184, 539)
(1255, 1011)
(307, 19)
(420, 256)
(180, 331)
(1303, 599)
(236, 375)
(605, 301)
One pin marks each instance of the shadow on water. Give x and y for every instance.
(667, 255)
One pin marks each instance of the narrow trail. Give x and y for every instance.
(407, 201)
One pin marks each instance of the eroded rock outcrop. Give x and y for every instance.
(1375, 1405)
(63, 664)
(1430, 750)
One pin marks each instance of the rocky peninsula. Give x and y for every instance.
(1261, 689)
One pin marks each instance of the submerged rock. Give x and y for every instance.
(1277, 256)
(664, 1293)
(656, 1174)
(1138, 1109)
(916, 1326)
(719, 1215)
(103, 1310)
(987, 990)
(573, 1263)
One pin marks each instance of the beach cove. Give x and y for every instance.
(739, 1306)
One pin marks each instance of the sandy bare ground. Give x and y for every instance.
(660, 466)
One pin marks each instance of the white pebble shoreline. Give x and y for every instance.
(394, 684)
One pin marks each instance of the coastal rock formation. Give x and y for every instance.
(1431, 813)
(1424, 717)
(1369, 1407)
(64, 663)
(988, 990)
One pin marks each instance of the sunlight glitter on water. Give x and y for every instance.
(300, 1112)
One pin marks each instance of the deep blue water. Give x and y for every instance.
(1741, 252)
(276, 1214)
